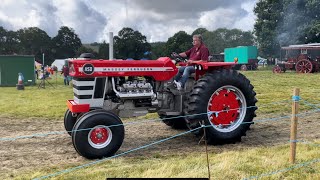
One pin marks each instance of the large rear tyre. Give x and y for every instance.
(304, 66)
(224, 101)
(98, 134)
(174, 122)
(69, 121)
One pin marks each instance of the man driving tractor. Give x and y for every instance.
(199, 52)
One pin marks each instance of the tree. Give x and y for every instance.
(66, 43)
(3, 34)
(158, 49)
(286, 22)
(130, 44)
(179, 42)
(222, 38)
(34, 41)
(199, 31)
(269, 16)
(11, 43)
(104, 50)
(84, 49)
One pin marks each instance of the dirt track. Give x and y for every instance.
(53, 150)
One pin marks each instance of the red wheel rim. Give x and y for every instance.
(304, 66)
(226, 108)
(224, 101)
(99, 137)
(276, 69)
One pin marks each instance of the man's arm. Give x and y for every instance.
(183, 54)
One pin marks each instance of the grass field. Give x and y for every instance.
(50, 103)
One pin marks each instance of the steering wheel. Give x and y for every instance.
(178, 58)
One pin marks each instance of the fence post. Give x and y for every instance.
(294, 122)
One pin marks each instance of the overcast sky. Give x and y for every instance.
(92, 20)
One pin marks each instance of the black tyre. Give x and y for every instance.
(98, 134)
(69, 121)
(174, 122)
(227, 91)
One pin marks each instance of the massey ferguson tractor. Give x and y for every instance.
(215, 96)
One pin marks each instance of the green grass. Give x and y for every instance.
(36, 102)
(227, 165)
(51, 103)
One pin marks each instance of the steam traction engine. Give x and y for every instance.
(105, 90)
(302, 58)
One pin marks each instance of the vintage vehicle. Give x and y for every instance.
(302, 58)
(105, 90)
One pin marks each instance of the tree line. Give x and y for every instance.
(286, 22)
(128, 43)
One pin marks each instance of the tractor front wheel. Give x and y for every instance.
(69, 121)
(224, 101)
(98, 134)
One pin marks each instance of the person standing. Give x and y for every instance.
(65, 72)
(199, 52)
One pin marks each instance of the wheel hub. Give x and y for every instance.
(99, 135)
(226, 113)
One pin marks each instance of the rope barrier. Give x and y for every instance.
(121, 154)
(284, 170)
(294, 98)
(153, 120)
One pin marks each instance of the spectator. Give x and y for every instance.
(65, 72)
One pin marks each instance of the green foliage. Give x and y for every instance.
(222, 38)
(130, 44)
(179, 42)
(36, 42)
(66, 43)
(158, 49)
(9, 42)
(84, 49)
(103, 50)
(199, 31)
(286, 22)
(269, 16)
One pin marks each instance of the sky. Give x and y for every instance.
(158, 20)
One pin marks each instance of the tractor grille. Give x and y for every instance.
(89, 91)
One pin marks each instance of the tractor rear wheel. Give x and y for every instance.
(174, 122)
(224, 101)
(98, 134)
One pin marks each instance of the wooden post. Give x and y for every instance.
(294, 124)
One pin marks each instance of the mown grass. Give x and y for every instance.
(247, 163)
(48, 102)
(270, 88)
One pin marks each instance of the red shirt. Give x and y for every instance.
(198, 53)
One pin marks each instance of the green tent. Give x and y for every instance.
(11, 65)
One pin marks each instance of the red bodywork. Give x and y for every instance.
(162, 69)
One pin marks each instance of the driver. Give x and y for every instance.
(199, 52)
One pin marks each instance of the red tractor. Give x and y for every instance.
(105, 90)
